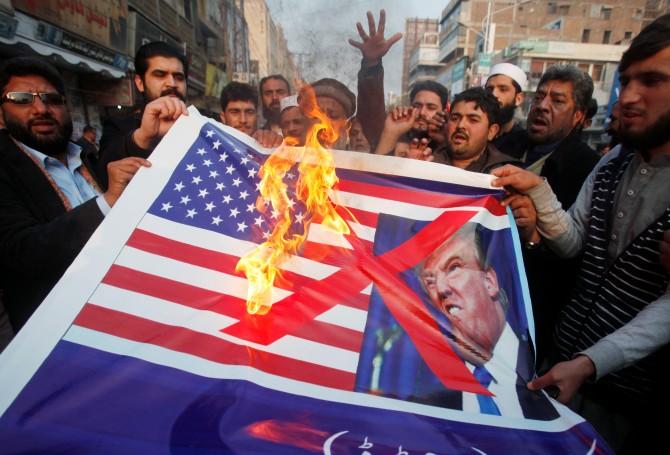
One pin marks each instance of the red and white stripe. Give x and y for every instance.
(174, 286)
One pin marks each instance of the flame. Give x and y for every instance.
(316, 179)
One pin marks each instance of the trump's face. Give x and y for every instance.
(467, 295)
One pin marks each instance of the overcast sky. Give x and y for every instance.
(320, 28)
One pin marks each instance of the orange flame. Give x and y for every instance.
(316, 179)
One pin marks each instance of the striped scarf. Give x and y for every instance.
(608, 295)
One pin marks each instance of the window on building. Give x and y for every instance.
(583, 67)
(564, 10)
(605, 13)
(597, 72)
(430, 38)
(586, 35)
(627, 35)
(607, 35)
(187, 9)
(551, 8)
(536, 69)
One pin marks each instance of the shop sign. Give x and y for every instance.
(104, 22)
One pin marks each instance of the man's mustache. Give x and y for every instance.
(462, 133)
(42, 118)
(172, 91)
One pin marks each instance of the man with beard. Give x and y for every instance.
(161, 74)
(613, 335)
(273, 89)
(50, 203)
(507, 83)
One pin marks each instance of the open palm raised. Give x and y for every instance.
(374, 45)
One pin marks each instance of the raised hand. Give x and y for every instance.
(437, 128)
(399, 121)
(157, 118)
(419, 150)
(374, 45)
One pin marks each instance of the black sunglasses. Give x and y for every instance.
(48, 98)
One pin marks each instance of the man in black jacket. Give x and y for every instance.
(50, 203)
(507, 82)
(552, 147)
(161, 74)
(473, 124)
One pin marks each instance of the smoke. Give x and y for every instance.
(317, 33)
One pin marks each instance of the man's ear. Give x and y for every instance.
(139, 83)
(518, 99)
(577, 118)
(494, 129)
(222, 116)
(491, 283)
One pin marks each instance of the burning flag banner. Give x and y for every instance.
(222, 307)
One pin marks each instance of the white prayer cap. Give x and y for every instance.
(511, 71)
(288, 101)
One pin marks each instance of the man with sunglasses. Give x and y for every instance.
(50, 200)
(161, 74)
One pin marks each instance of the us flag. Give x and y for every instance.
(174, 283)
(145, 346)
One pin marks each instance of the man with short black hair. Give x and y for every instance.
(239, 104)
(614, 332)
(473, 123)
(431, 100)
(87, 142)
(422, 125)
(161, 72)
(273, 89)
(239, 110)
(50, 201)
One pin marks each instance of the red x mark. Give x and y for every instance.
(358, 269)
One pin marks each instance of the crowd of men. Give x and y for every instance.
(596, 229)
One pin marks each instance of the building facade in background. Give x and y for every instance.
(93, 43)
(465, 26)
(414, 30)
(424, 63)
(267, 44)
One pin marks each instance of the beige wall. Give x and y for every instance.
(257, 15)
(267, 43)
